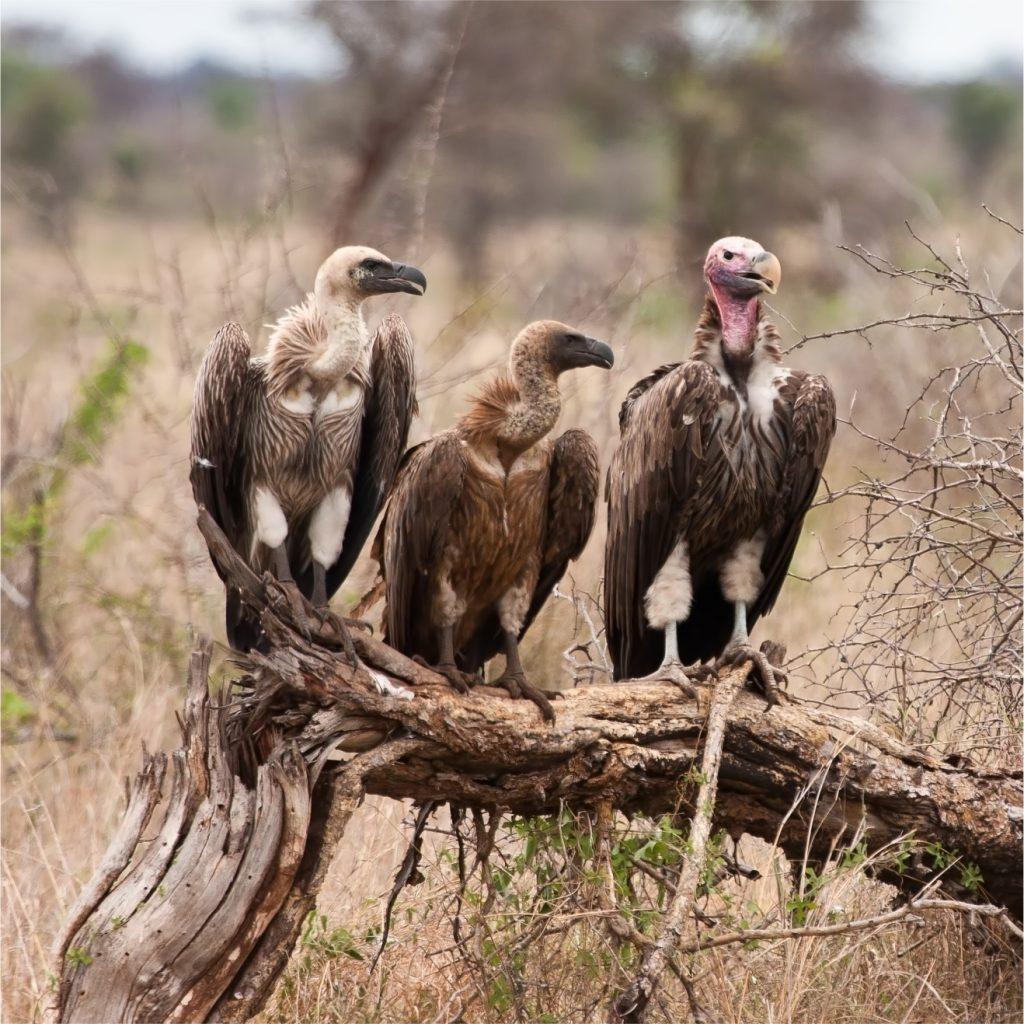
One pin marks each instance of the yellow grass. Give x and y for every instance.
(125, 577)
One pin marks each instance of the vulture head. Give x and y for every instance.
(740, 268)
(354, 273)
(558, 347)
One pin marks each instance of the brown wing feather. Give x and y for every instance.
(574, 478)
(415, 531)
(653, 475)
(390, 407)
(218, 464)
(812, 427)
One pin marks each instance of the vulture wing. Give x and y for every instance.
(415, 529)
(667, 423)
(812, 425)
(390, 407)
(218, 468)
(574, 479)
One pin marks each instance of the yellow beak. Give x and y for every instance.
(768, 266)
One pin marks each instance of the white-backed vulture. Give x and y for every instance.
(486, 516)
(293, 452)
(719, 460)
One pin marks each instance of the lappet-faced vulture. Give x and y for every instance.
(719, 461)
(486, 516)
(294, 452)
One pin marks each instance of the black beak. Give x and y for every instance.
(594, 353)
(400, 277)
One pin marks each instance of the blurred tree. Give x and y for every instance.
(232, 103)
(744, 91)
(982, 116)
(396, 55)
(41, 106)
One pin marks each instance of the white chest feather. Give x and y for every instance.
(762, 389)
(762, 392)
(345, 396)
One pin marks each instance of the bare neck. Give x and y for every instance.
(734, 338)
(346, 339)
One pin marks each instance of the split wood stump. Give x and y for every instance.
(197, 904)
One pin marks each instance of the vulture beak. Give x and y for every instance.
(591, 352)
(766, 270)
(399, 277)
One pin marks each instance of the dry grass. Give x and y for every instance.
(123, 571)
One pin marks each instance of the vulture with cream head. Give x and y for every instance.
(293, 452)
(719, 460)
(485, 517)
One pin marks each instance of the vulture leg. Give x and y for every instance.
(514, 678)
(766, 676)
(296, 602)
(462, 681)
(326, 617)
(674, 671)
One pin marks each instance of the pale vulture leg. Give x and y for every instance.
(741, 581)
(272, 530)
(666, 603)
(326, 537)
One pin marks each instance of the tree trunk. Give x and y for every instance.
(195, 918)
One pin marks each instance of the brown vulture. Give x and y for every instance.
(486, 516)
(293, 452)
(718, 463)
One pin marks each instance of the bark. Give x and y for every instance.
(194, 918)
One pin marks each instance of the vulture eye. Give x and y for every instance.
(728, 255)
(371, 265)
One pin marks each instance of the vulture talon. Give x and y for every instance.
(519, 687)
(338, 629)
(764, 677)
(297, 606)
(461, 681)
(685, 678)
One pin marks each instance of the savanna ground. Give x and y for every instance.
(102, 340)
(584, 182)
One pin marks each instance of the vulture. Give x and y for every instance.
(718, 462)
(486, 516)
(293, 452)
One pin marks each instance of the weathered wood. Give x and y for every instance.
(631, 1006)
(197, 921)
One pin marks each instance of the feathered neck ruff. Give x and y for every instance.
(512, 416)
(306, 346)
(707, 338)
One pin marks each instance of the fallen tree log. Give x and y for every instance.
(194, 918)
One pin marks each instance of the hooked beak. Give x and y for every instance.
(594, 353)
(400, 277)
(766, 271)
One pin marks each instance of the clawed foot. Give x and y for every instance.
(339, 627)
(687, 678)
(461, 681)
(519, 686)
(765, 675)
(298, 606)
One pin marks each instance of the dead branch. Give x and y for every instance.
(631, 1005)
(196, 917)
